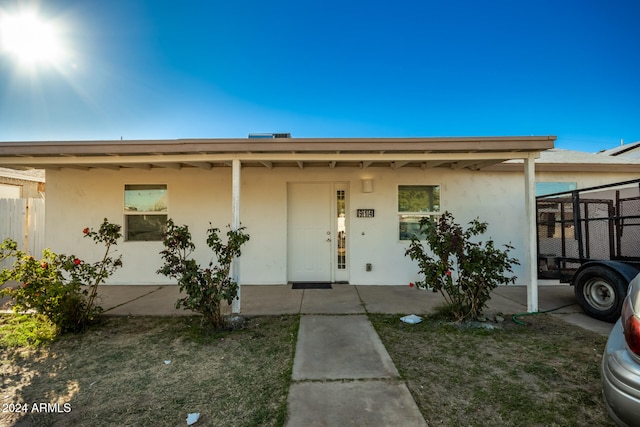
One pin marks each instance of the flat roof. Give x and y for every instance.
(455, 152)
(560, 160)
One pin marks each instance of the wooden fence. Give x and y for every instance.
(23, 221)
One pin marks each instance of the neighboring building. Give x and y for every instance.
(562, 170)
(22, 184)
(317, 209)
(22, 209)
(631, 151)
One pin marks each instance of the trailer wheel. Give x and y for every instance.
(600, 292)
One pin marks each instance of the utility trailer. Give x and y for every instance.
(591, 239)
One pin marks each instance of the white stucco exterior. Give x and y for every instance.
(223, 181)
(77, 199)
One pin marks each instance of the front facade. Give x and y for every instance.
(336, 210)
(315, 224)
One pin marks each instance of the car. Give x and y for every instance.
(621, 362)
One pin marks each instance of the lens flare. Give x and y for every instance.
(30, 39)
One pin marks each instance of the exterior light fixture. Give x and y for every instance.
(367, 185)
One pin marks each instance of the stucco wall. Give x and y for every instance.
(77, 199)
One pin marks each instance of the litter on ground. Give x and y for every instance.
(192, 418)
(412, 319)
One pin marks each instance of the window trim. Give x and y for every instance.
(131, 213)
(399, 213)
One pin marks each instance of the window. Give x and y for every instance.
(414, 203)
(342, 229)
(544, 188)
(145, 212)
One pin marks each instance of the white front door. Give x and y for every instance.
(309, 232)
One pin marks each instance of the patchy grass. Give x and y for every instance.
(115, 374)
(25, 330)
(543, 374)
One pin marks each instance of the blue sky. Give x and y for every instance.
(146, 69)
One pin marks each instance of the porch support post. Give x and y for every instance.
(532, 251)
(235, 224)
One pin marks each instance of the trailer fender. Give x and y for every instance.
(627, 271)
(601, 286)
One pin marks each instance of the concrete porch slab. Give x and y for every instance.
(258, 300)
(549, 296)
(398, 299)
(503, 302)
(356, 403)
(341, 299)
(340, 347)
(149, 300)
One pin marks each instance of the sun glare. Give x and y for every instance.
(30, 39)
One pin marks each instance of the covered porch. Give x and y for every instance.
(305, 155)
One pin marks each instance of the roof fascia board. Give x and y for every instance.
(465, 144)
(259, 157)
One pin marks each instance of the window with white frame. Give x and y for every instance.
(414, 203)
(145, 211)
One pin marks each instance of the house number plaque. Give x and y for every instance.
(365, 213)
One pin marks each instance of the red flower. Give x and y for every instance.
(448, 273)
(411, 284)
(24, 285)
(37, 294)
(77, 261)
(45, 265)
(86, 230)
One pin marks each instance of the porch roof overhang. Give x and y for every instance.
(475, 153)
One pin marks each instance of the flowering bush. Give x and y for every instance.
(463, 271)
(62, 288)
(206, 288)
(90, 275)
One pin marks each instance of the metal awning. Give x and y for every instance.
(475, 153)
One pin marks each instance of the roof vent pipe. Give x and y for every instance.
(269, 135)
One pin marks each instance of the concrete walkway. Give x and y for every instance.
(342, 374)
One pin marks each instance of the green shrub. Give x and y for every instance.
(206, 288)
(62, 288)
(463, 271)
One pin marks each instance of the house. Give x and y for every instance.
(317, 209)
(631, 151)
(563, 170)
(22, 208)
(22, 184)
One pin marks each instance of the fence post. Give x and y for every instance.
(26, 226)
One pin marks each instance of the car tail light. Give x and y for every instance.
(631, 326)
